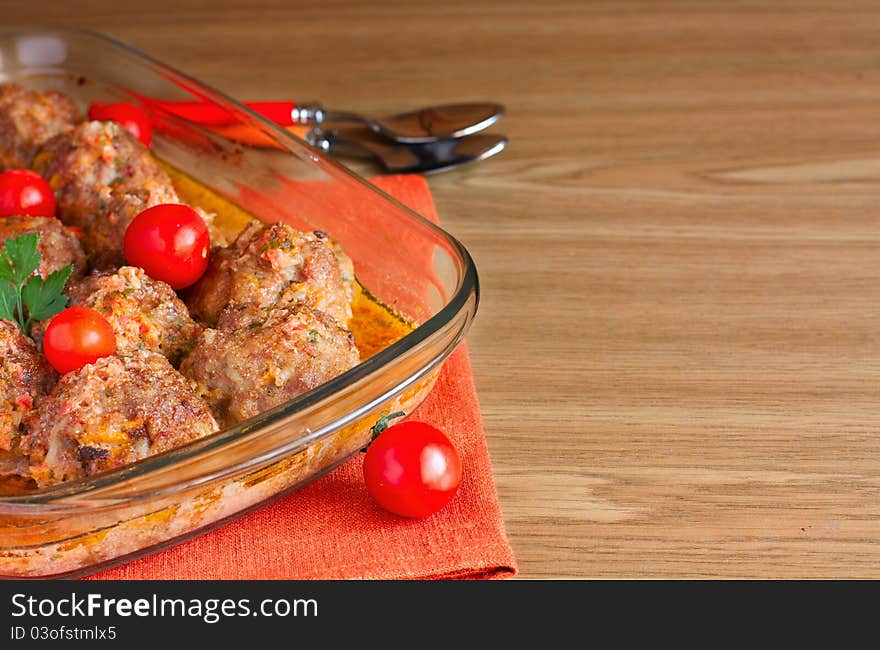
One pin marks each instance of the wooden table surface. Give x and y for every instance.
(678, 348)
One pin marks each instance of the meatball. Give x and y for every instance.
(145, 313)
(346, 265)
(275, 265)
(84, 167)
(115, 411)
(103, 236)
(242, 371)
(58, 245)
(103, 177)
(25, 378)
(27, 119)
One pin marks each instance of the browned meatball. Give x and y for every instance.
(104, 237)
(25, 377)
(244, 371)
(145, 313)
(84, 167)
(269, 265)
(346, 265)
(58, 245)
(115, 411)
(103, 177)
(27, 119)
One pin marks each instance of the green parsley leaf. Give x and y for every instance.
(44, 298)
(5, 268)
(8, 300)
(22, 255)
(25, 297)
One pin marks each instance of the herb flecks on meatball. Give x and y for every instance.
(28, 118)
(256, 363)
(275, 265)
(103, 177)
(145, 314)
(113, 412)
(25, 378)
(85, 165)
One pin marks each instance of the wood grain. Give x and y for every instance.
(677, 351)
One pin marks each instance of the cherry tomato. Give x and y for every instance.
(77, 336)
(128, 116)
(25, 192)
(170, 242)
(412, 469)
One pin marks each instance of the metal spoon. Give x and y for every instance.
(424, 125)
(420, 158)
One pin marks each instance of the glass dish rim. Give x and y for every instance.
(55, 497)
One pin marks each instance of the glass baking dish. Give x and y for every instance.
(410, 265)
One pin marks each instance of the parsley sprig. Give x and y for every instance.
(25, 298)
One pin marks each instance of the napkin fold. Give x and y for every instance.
(332, 529)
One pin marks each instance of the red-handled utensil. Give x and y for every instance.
(424, 125)
(281, 113)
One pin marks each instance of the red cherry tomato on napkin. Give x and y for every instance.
(411, 468)
(170, 242)
(128, 116)
(25, 192)
(77, 336)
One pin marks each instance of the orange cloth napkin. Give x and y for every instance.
(332, 529)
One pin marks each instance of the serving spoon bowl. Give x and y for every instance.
(425, 125)
(411, 158)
